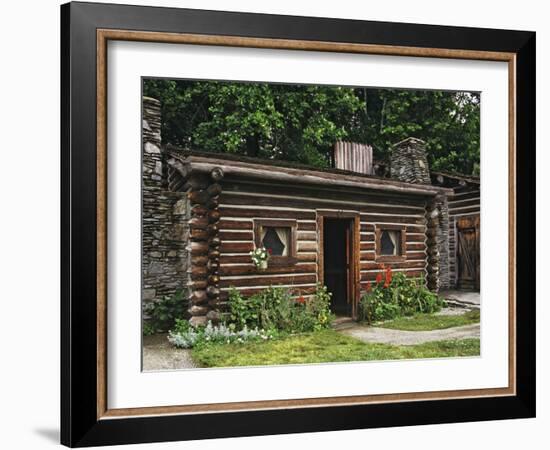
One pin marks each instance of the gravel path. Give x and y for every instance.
(400, 337)
(158, 354)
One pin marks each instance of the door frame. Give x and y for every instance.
(354, 278)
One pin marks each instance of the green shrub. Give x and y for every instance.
(163, 314)
(395, 295)
(275, 308)
(148, 329)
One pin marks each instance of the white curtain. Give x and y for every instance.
(284, 235)
(395, 238)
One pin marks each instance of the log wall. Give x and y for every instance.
(241, 204)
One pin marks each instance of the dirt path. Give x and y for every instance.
(158, 354)
(400, 337)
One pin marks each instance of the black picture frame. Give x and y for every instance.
(80, 425)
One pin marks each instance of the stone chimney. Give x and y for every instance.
(151, 141)
(409, 162)
(353, 157)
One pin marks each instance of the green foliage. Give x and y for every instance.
(427, 322)
(301, 123)
(185, 336)
(397, 295)
(163, 314)
(326, 346)
(275, 308)
(148, 329)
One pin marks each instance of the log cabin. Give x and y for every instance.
(204, 212)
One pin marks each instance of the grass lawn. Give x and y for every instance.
(427, 322)
(321, 347)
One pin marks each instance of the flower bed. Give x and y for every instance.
(394, 295)
(262, 316)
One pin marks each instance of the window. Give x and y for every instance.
(278, 237)
(390, 243)
(276, 240)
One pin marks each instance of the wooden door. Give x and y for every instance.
(338, 264)
(468, 257)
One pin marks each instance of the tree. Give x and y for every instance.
(301, 123)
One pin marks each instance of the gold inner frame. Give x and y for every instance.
(104, 35)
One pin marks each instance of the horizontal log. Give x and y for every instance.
(307, 226)
(465, 195)
(228, 211)
(259, 280)
(331, 198)
(197, 284)
(416, 237)
(197, 310)
(199, 210)
(214, 189)
(367, 256)
(198, 222)
(236, 247)
(213, 203)
(250, 269)
(366, 246)
(416, 255)
(198, 297)
(245, 258)
(212, 292)
(198, 197)
(464, 210)
(198, 272)
(198, 234)
(214, 216)
(414, 220)
(367, 227)
(307, 246)
(236, 235)
(246, 292)
(299, 200)
(415, 246)
(198, 248)
(307, 236)
(458, 203)
(367, 237)
(227, 224)
(393, 265)
(200, 260)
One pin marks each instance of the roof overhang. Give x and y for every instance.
(277, 173)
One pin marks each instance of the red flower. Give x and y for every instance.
(301, 300)
(388, 277)
(369, 287)
(379, 278)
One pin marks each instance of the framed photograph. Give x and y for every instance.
(277, 224)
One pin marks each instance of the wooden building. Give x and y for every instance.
(334, 227)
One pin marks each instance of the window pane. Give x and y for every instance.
(276, 240)
(390, 241)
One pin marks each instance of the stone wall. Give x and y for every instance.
(443, 242)
(409, 163)
(165, 216)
